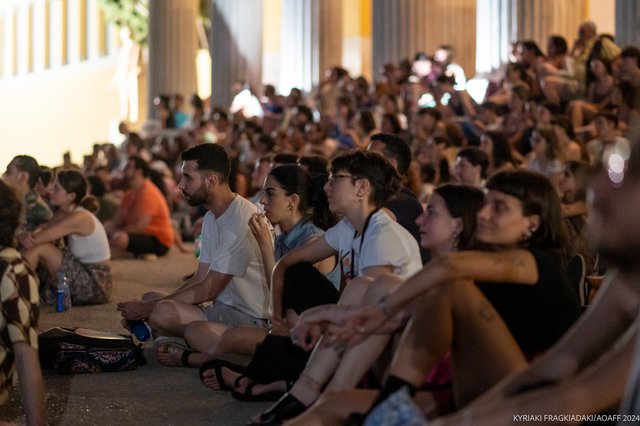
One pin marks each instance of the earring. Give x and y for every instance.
(528, 233)
(456, 240)
(290, 207)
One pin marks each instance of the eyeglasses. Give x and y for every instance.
(334, 178)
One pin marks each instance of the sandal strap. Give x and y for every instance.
(185, 357)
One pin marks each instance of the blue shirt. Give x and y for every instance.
(300, 233)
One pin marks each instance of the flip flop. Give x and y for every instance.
(172, 349)
(217, 365)
(249, 396)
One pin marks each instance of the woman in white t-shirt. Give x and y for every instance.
(86, 259)
(369, 244)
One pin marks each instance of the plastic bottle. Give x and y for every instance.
(63, 295)
(198, 245)
(140, 330)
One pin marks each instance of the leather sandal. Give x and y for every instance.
(286, 408)
(248, 395)
(217, 365)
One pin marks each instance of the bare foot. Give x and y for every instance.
(170, 354)
(229, 378)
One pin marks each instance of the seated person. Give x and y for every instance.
(297, 204)
(368, 243)
(19, 316)
(86, 260)
(143, 225)
(22, 174)
(595, 366)
(492, 309)
(229, 287)
(447, 225)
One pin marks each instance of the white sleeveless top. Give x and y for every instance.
(90, 248)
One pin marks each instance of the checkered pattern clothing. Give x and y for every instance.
(19, 303)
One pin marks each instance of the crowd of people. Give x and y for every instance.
(388, 252)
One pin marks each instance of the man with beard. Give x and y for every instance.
(143, 225)
(587, 372)
(229, 288)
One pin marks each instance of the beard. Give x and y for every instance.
(199, 198)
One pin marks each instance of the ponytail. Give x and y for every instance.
(90, 203)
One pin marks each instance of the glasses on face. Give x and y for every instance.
(334, 178)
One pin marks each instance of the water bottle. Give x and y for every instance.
(63, 295)
(140, 330)
(198, 245)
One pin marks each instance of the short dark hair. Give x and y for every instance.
(476, 157)
(538, 197)
(609, 116)
(559, 43)
(631, 52)
(210, 157)
(26, 163)
(10, 209)
(285, 158)
(374, 167)
(395, 148)
(140, 164)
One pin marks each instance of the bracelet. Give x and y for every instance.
(383, 304)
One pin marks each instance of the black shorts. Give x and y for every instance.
(146, 244)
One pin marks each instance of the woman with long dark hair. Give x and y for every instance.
(86, 260)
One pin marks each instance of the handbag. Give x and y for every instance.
(81, 350)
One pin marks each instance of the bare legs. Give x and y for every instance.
(458, 317)
(47, 254)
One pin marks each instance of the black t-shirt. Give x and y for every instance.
(406, 207)
(537, 315)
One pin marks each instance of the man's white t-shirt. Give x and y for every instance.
(229, 247)
(385, 243)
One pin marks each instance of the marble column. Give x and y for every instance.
(403, 27)
(236, 47)
(172, 48)
(311, 42)
(627, 23)
(496, 30)
(537, 19)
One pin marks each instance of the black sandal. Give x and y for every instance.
(286, 408)
(217, 365)
(248, 396)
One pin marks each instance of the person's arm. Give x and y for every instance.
(137, 225)
(193, 294)
(31, 383)
(313, 252)
(513, 266)
(261, 230)
(74, 223)
(593, 335)
(578, 208)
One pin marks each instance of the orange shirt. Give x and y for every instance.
(148, 200)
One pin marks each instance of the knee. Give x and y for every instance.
(163, 314)
(120, 240)
(195, 330)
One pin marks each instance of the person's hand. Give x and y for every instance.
(279, 327)
(365, 320)
(261, 229)
(135, 310)
(27, 240)
(306, 332)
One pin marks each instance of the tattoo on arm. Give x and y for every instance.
(487, 313)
